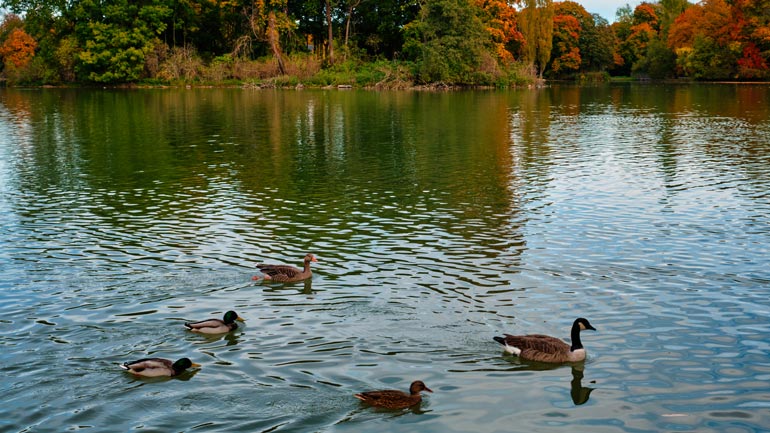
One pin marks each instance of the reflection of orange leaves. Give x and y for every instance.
(18, 48)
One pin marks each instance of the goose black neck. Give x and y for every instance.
(575, 338)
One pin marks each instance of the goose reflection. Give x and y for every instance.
(579, 393)
(306, 288)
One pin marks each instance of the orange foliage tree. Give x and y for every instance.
(500, 19)
(566, 51)
(18, 48)
(716, 39)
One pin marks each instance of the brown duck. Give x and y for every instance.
(544, 348)
(287, 273)
(394, 399)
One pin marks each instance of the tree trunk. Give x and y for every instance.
(275, 43)
(353, 5)
(331, 33)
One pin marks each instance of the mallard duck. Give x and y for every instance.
(216, 326)
(543, 348)
(287, 273)
(394, 399)
(156, 367)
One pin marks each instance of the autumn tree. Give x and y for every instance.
(594, 48)
(706, 41)
(640, 44)
(566, 52)
(18, 49)
(500, 19)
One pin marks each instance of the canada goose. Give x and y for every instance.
(544, 348)
(155, 367)
(394, 399)
(216, 326)
(287, 273)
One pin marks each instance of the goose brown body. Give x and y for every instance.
(216, 326)
(157, 367)
(544, 348)
(287, 273)
(394, 399)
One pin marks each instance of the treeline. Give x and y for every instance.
(377, 42)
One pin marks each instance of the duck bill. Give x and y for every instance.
(314, 259)
(195, 364)
(240, 319)
(428, 389)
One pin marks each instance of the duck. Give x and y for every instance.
(216, 326)
(287, 273)
(394, 399)
(544, 348)
(157, 367)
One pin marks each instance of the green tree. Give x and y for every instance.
(379, 25)
(658, 62)
(449, 43)
(116, 37)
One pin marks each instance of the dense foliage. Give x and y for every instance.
(377, 42)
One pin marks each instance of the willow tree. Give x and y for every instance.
(537, 28)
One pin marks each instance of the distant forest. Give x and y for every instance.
(388, 43)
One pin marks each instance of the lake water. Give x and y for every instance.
(439, 220)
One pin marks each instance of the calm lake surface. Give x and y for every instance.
(439, 219)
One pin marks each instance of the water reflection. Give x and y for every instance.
(578, 393)
(440, 217)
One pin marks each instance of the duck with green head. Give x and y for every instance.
(158, 367)
(216, 326)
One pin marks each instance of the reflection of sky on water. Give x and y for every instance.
(436, 228)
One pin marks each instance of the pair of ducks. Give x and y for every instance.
(530, 347)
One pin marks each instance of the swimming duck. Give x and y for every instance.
(543, 348)
(156, 367)
(216, 326)
(394, 399)
(287, 273)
